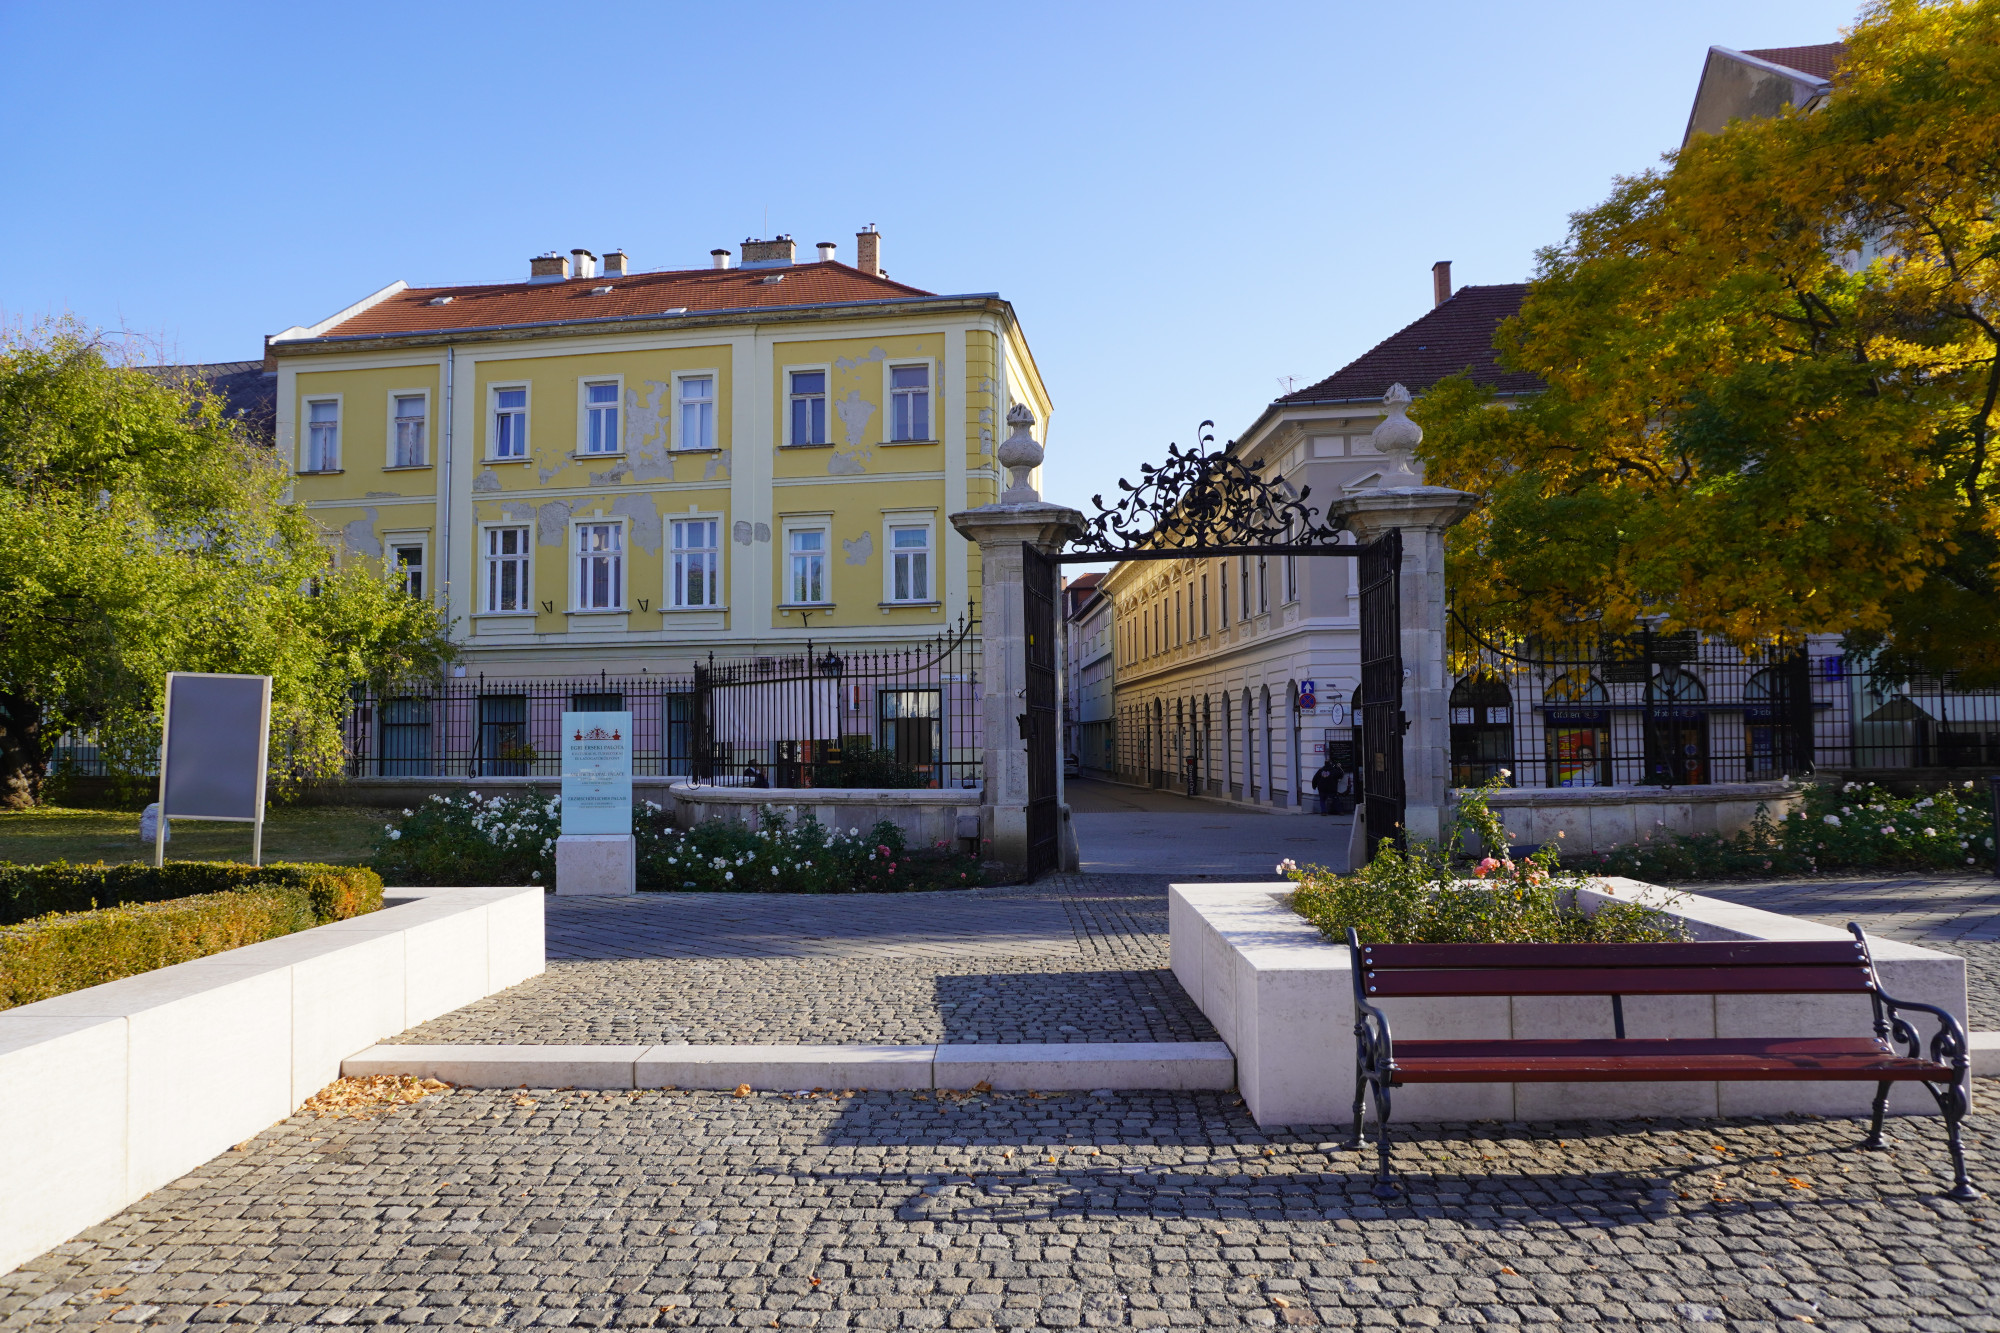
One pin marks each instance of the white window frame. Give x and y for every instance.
(892, 520)
(420, 540)
(676, 436)
(584, 407)
(1291, 579)
(785, 395)
(493, 392)
(574, 557)
(389, 463)
(889, 368)
(718, 587)
(526, 558)
(306, 403)
(822, 524)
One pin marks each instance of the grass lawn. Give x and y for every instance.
(338, 835)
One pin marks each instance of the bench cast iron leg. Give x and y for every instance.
(1953, 1104)
(1385, 1183)
(1873, 1143)
(1360, 1101)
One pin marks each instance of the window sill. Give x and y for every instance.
(490, 462)
(591, 458)
(827, 445)
(320, 472)
(805, 606)
(407, 467)
(713, 449)
(909, 606)
(599, 611)
(505, 615)
(691, 610)
(896, 444)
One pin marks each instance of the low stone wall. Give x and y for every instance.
(116, 1090)
(926, 815)
(389, 793)
(1596, 819)
(1281, 996)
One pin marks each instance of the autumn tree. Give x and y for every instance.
(140, 533)
(1772, 370)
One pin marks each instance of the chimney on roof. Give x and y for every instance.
(868, 250)
(617, 264)
(1440, 283)
(774, 253)
(826, 249)
(718, 259)
(586, 263)
(550, 267)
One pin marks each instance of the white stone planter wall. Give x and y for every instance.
(1596, 819)
(926, 815)
(114, 1091)
(1282, 996)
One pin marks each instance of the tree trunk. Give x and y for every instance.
(23, 757)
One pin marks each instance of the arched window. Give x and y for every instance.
(1482, 730)
(1576, 730)
(1677, 741)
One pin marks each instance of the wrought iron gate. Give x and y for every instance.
(1039, 723)
(1382, 723)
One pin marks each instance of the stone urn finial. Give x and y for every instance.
(1020, 455)
(1397, 437)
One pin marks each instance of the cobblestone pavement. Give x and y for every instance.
(879, 1210)
(1956, 913)
(1076, 958)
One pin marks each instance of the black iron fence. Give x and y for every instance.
(1648, 708)
(812, 718)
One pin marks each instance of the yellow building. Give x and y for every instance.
(601, 470)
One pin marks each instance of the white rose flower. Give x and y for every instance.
(394, 834)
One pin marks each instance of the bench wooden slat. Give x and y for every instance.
(1657, 1059)
(1725, 953)
(1820, 980)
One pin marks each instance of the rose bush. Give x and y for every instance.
(511, 839)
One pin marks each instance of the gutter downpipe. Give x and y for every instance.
(444, 508)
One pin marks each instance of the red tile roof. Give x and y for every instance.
(635, 297)
(1454, 336)
(1817, 62)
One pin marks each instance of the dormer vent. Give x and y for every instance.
(600, 291)
(439, 300)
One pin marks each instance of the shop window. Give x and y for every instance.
(1576, 722)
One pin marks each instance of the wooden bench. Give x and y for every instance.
(1751, 967)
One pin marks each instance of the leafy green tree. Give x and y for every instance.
(141, 533)
(1772, 372)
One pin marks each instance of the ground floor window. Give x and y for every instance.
(1482, 730)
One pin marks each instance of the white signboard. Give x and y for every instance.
(597, 773)
(213, 752)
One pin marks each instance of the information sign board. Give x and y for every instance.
(597, 773)
(213, 753)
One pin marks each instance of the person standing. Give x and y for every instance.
(1326, 782)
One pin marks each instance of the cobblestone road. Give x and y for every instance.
(1074, 959)
(1131, 1210)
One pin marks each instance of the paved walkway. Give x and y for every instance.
(1072, 959)
(1135, 830)
(553, 1209)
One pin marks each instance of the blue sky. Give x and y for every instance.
(1184, 202)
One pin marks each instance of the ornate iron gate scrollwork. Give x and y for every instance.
(1382, 722)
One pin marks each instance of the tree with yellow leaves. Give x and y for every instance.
(1772, 374)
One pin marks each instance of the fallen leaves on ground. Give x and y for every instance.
(369, 1096)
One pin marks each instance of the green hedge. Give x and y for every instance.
(27, 891)
(60, 952)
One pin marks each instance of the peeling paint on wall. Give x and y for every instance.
(985, 440)
(763, 532)
(850, 362)
(645, 520)
(718, 464)
(741, 532)
(860, 549)
(854, 413)
(847, 462)
(548, 473)
(611, 478)
(646, 431)
(987, 384)
(518, 511)
(359, 536)
(552, 523)
(487, 480)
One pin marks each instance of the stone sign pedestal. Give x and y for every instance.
(596, 865)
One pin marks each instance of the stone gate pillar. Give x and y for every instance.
(1000, 531)
(1423, 513)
